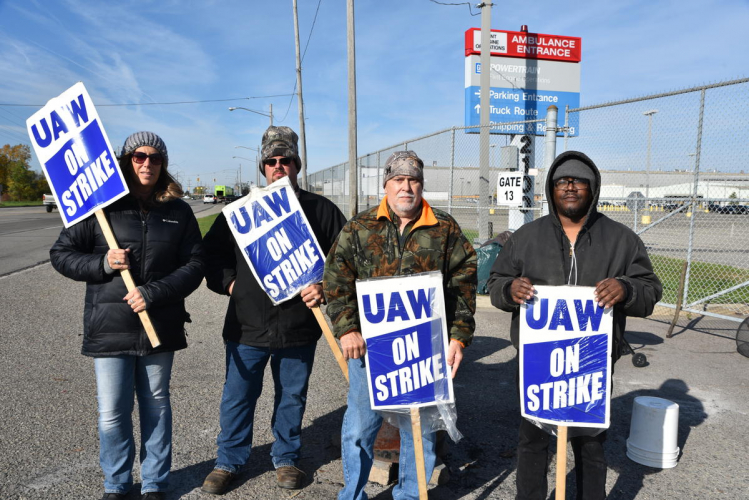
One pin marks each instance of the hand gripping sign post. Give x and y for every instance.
(403, 323)
(278, 244)
(565, 363)
(80, 166)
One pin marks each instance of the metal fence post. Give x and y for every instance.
(693, 202)
(550, 150)
(452, 172)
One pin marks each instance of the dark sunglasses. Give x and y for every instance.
(271, 162)
(155, 158)
(561, 184)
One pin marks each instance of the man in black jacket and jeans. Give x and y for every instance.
(573, 245)
(256, 331)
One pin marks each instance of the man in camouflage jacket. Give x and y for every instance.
(400, 237)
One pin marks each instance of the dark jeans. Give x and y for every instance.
(533, 453)
(245, 367)
(590, 464)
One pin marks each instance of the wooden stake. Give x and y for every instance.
(127, 277)
(419, 453)
(561, 462)
(331, 340)
(679, 300)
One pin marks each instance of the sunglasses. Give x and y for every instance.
(155, 158)
(561, 184)
(271, 162)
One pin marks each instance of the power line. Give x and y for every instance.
(162, 103)
(461, 3)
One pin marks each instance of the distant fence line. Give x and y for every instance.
(674, 168)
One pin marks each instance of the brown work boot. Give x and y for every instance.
(289, 477)
(217, 482)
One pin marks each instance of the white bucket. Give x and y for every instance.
(653, 432)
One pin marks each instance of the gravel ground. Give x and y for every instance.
(49, 449)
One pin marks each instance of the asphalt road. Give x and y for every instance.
(49, 446)
(27, 233)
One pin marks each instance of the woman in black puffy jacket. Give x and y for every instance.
(160, 243)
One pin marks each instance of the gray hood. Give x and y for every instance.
(569, 155)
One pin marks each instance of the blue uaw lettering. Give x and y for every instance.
(561, 315)
(419, 301)
(278, 202)
(91, 178)
(290, 269)
(76, 111)
(409, 378)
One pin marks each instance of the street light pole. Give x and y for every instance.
(649, 114)
(256, 112)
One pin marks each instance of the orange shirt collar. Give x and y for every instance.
(427, 214)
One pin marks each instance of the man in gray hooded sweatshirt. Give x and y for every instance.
(573, 245)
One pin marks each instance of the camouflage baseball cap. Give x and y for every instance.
(279, 141)
(403, 163)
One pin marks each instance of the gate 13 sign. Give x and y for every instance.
(76, 155)
(565, 357)
(403, 323)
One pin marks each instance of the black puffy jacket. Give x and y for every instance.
(166, 259)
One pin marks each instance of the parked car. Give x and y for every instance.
(48, 200)
(729, 209)
(209, 198)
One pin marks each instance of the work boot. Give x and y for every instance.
(114, 496)
(289, 477)
(153, 495)
(217, 482)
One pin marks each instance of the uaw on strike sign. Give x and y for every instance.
(403, 323)
(565, 357)
(76, 155)
(276, 240)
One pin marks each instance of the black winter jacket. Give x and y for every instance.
(166, 259)
(540, 251)
(251, 318)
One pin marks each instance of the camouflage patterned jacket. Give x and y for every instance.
(370, 246)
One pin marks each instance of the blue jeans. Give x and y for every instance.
(117, 377)
(360, 427)
(291, 369)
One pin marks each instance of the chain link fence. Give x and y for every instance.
(674, 169)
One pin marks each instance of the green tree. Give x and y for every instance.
(16, 176)
(733, 197)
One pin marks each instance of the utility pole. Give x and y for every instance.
(302, 136)
(352, 152)
(485, 121)
(271, 114)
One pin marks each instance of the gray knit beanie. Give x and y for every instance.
(279, 141)
(403, 163)
(140, 139)
(576, 169)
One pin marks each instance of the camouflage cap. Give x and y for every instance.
(279, 141)
(403, 163)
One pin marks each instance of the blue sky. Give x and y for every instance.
(410, 64)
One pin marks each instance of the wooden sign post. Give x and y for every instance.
(421, 476)
(331, 340)
(127, 277)
(561, 462)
